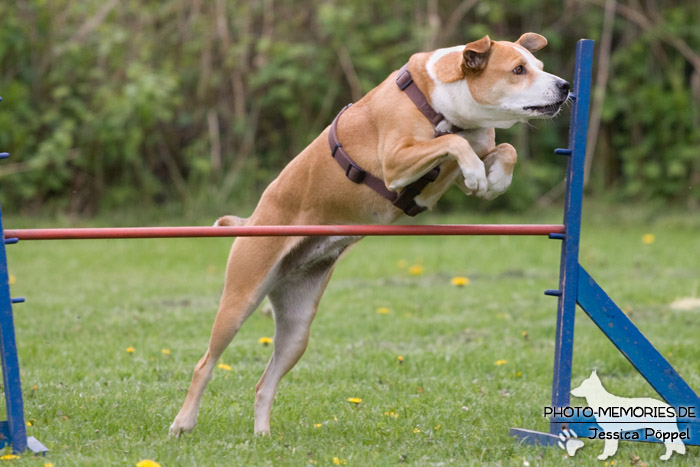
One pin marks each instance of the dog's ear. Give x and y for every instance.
(531, 41)
(476, 55)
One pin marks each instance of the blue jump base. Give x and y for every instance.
(576, 287)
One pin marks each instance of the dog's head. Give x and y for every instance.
(506, 83)
(589, 387)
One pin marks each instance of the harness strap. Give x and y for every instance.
(353, 171)
(405, 200)
(405, 82)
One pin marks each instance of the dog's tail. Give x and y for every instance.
(230, 221)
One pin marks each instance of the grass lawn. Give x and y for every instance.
(477, 359)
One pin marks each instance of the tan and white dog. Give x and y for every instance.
(477, 87)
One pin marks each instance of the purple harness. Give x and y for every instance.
(405, 200)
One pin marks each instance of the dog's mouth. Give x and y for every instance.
(549, 109)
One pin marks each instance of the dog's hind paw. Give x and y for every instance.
(178, 428)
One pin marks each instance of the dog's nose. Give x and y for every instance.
(564, 86)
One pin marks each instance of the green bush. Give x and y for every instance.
(108, 104)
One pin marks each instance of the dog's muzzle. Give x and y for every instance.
(563, 87)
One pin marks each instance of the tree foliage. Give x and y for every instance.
(108, 103)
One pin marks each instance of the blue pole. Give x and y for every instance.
(569, 266)
(16, 428)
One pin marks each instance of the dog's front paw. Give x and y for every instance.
(498, 180)
(499, 165)
(475, 179)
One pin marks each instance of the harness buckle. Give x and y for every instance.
(414, 209)
(404, 79)
(354, 172)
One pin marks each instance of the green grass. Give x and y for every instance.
(93, 403)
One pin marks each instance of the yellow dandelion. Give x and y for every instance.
(224, 366)
(147, 463)
(403, 264)
(29, 423)
(415, 270)
(265, 340)
(501, 362)
(130, 350)
(338, 461)
(400, 359)
(11, 279)
(48, 464)
(437, 427)
(459, 281)
(9, 457)
(355, 400)
(416, 431)
(165, 351)
(648, 239)
(382, 310)
(318, 425)
(391, 414)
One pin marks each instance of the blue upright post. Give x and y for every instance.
(568, 269)
(576, 286)
(568, 274)
(13, 431)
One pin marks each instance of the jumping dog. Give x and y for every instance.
(392, 153)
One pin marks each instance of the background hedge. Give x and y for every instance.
(112, 103)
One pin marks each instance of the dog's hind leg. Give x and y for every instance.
(294, 302)
(252, 268)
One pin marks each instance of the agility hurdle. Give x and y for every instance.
(576, 286)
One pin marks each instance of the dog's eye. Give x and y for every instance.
(519, 70)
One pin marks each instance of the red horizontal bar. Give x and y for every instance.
(282, 230)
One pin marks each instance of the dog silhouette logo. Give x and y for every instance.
(623, 417)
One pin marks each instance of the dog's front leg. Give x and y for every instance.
(499, 164)
(409, 159)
